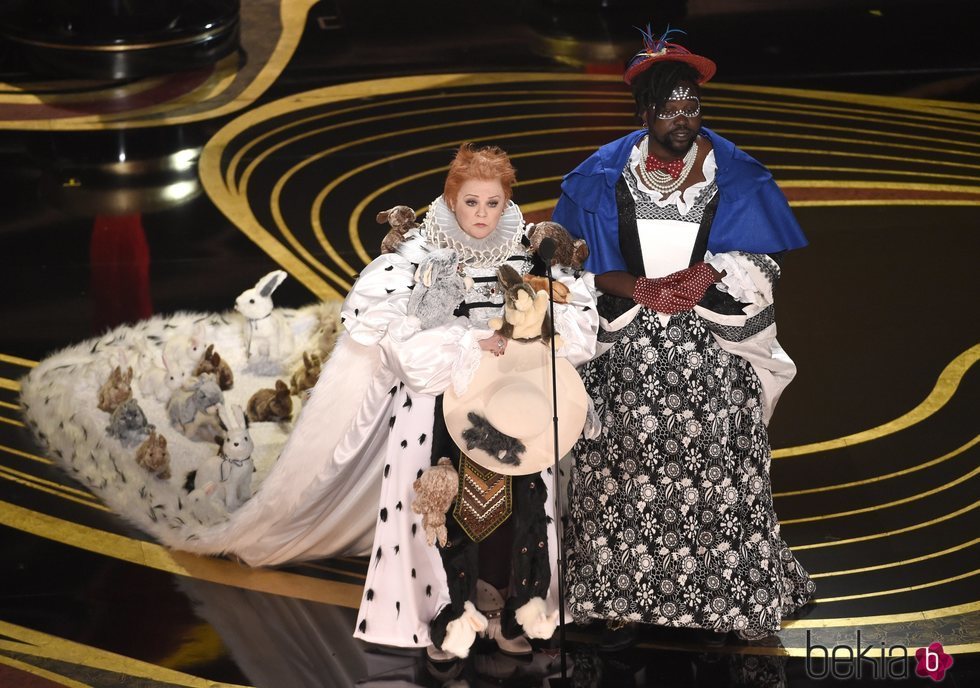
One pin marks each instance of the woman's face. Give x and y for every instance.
(478, 206)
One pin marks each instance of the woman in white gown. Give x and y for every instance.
(400, 421)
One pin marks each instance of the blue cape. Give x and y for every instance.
(753, 214)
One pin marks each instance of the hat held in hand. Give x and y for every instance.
(504, 420)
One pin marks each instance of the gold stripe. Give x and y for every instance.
(894, 118)
(11, 421)
(332, 569)
(855, 184)
(17, 360)
(847, 154)
(6, 404)
(877, 478)
(9, 384)
(892, 564)
(25, 455)
(899, 531)
(888, 202)
(157, 557)
(236, 159)
(957, 150)
(37, 644)
(12, 476)
(886, 505)
(916, 105)
(42, 481)
(893, 591)
(947, 384)
(905, 617)
(42, 673)
(869, 170)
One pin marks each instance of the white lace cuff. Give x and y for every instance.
(468, 359)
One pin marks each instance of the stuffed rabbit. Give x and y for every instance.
(193, 408)
(306, 378)
(267, 334)
(212, 363)
(160, 383)
(227, 476)
(116, 389)
(439, 288)
(153, 456)
(270, 405)
(525, 312)
(402, 219)
(184, 351)
(128, 423)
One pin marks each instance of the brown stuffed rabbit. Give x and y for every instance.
(270, 404)
(306, 378)
(154, 457)
(212, 363)
(525, 312)
(116, 389)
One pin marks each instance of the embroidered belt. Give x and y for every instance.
(484, 500)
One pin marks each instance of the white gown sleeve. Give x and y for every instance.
(427, 361)
(578, 320)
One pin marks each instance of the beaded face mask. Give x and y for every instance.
(672, 107)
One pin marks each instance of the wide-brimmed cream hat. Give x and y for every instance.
(513, 392)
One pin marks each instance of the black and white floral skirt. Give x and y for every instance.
(671, 519)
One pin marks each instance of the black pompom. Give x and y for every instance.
(419, 474)
(363, 626)
(370, 595)
(397, 548)
(387, 469)
(404, 443)
(391, 422)
(422, 438)
(428, 591)
(384, 515)
(415, 527)
(413, 573)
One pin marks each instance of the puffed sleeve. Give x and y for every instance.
(578, 320)
(375, 312)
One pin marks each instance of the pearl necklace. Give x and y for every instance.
(660, 181)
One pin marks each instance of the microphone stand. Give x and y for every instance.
(546, 251)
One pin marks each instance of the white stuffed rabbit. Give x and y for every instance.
(184, 352)
(267, 334)
(227, 476)
(161, 382)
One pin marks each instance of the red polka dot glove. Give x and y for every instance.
(677, 292)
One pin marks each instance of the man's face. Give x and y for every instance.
(674, 125)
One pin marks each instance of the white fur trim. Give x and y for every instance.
(461, 632)
(535, 619)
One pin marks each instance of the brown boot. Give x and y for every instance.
(491, 603)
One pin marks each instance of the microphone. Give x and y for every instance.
(546, 249)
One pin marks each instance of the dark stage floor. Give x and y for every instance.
(176, 192)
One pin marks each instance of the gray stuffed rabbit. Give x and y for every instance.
(439, 288)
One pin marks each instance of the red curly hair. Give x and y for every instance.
(486, 163)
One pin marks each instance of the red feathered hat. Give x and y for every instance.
(659, 50)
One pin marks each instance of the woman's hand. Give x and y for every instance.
(497, 343)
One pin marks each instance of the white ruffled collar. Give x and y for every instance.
(441, 228)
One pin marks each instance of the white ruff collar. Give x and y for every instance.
(441, 228)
